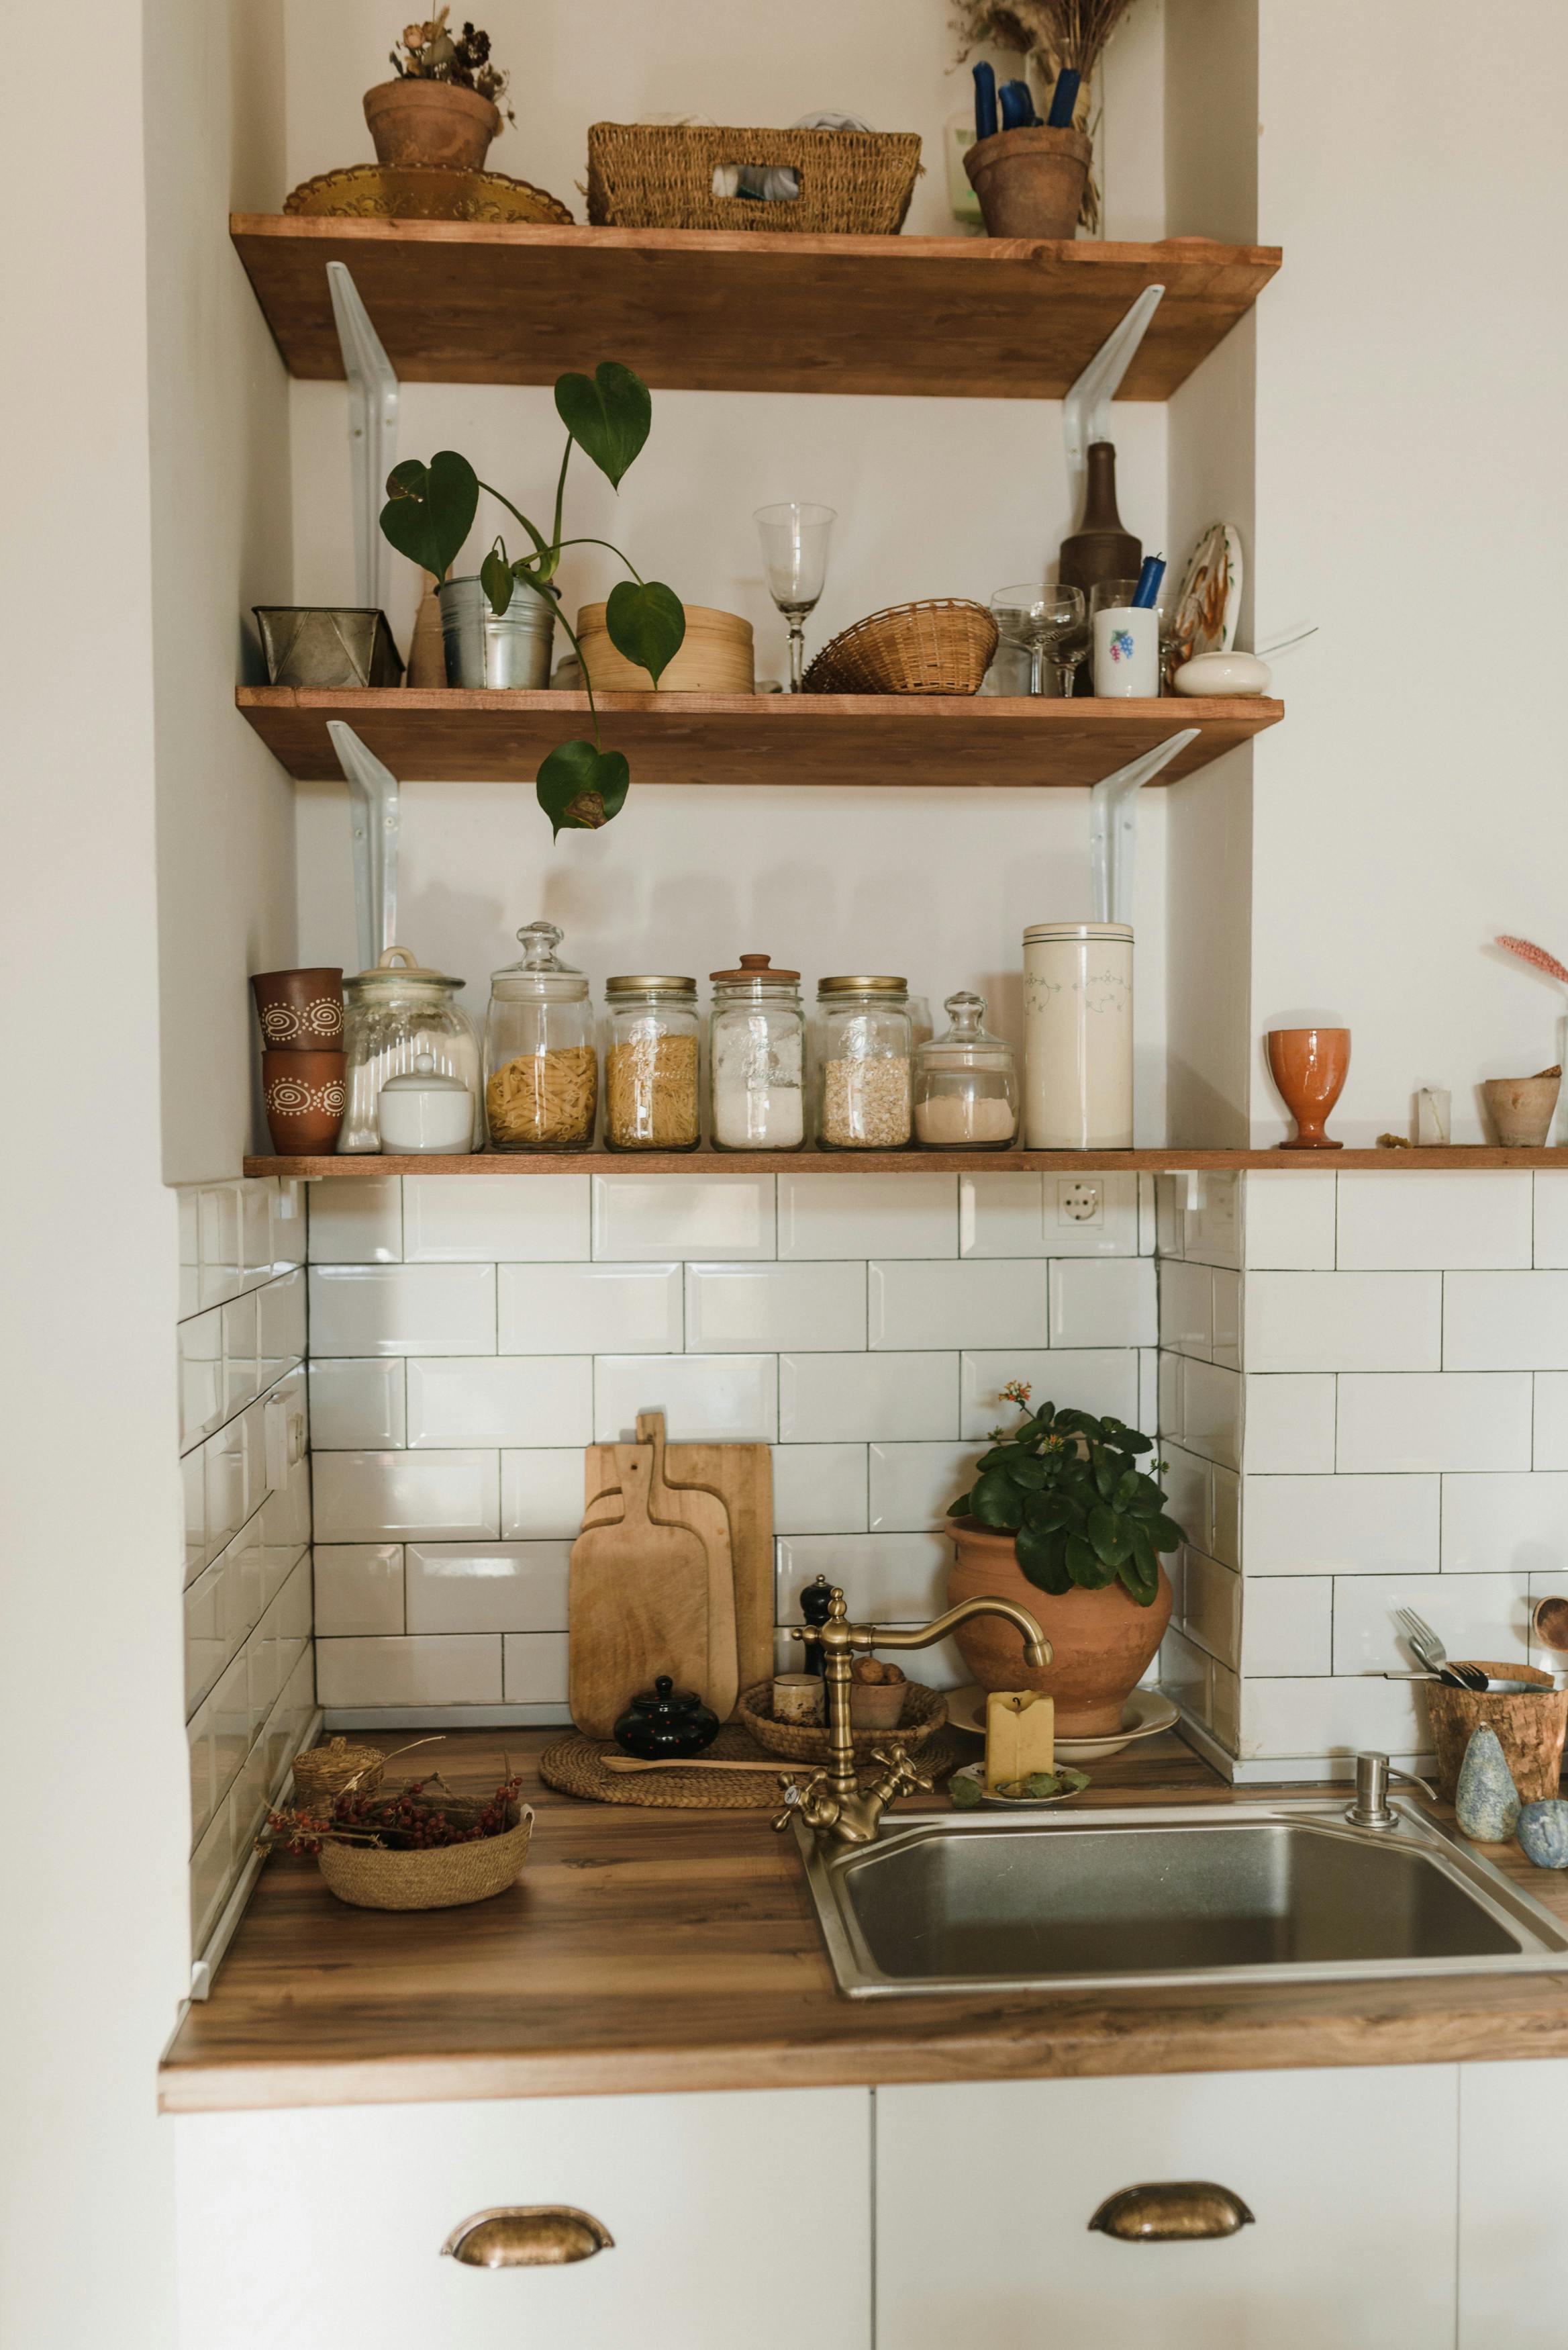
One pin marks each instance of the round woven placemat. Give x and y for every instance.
(572, 1765)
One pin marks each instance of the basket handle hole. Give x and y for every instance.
(768, 183)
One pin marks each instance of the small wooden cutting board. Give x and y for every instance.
(637, 1603)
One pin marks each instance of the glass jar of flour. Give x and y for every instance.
(756, 1058)
(1078, 1036)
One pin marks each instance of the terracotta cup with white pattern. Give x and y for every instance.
(300, 1011)
(304, 1097)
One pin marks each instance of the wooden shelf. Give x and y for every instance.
(713, 310)
(1174, 1160)
(451, 735)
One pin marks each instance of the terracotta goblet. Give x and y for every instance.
(1310, 1066)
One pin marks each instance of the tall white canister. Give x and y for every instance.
(1078, 1036)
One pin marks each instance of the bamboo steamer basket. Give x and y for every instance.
(715, 656)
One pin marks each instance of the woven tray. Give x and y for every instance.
(573, 1766)
(422, 192)
(925, 1711)
(943, 645)
(660, 175)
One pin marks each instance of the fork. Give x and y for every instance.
(1430, 1651)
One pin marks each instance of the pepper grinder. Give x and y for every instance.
(817, 1606)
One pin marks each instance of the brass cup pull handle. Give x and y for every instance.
(527, 2236)
(1174, 2212)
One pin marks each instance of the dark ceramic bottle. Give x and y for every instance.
(1100, 548)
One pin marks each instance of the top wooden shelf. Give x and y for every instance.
(712, 310)
(1170, 1159)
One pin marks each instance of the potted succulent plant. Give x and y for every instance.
(440, 111)
(1062, 1520)
(428, 512)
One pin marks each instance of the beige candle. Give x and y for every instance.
(1078, 1036)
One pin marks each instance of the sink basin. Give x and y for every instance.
(1191, 1894)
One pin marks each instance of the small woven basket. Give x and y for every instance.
(925, 1711)
(448, 1878)
(660, 175)
(322, 1772)
(941, 646)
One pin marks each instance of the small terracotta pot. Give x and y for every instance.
(1521, 1109)
(438, 124)
(1310, 1066)
(1030, 182)
(876, 1705)
(1103, 1642)
(304, 1095)
(300, 1011)
(1530, 1729)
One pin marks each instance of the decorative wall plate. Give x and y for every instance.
(1210, 600)
(407, 192)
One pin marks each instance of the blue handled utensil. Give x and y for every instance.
(1064, 98)
(984, 101)
(1149, 580)
(1017, 106)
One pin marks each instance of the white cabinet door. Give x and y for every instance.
(984, 2196)
(1513, 2206)
(321, 2228)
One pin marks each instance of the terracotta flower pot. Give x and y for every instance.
(1521, 1109)
(1310, 1065)
(300, 1011)
(1030, 182)
(1102, 1641)
(435, 124)
(304, 1095)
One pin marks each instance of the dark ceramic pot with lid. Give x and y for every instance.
(665, 1721)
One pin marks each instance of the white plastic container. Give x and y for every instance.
(423, 1110)
(1078, 1036)
(1126, 652)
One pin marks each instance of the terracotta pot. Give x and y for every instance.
(1310, 1066)
(300, 1011)
(1521, 1109)
(1530, 1729)
(1103, 1642)
(435, 123)
(1030, 182)
(304, 1095)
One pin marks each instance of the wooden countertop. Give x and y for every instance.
(667, 1950)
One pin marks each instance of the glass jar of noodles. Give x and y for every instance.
(541, 1070)
(650, 1064)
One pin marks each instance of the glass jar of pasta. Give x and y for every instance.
(863, 1050)
(541, 1070)
(650, 1064)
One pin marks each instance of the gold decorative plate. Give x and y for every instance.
(406, 191)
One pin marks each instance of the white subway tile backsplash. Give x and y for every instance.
(225, 1462)
(865, 1216)
(1290, 1425)
(1505, 1321)
(720, 1398)
(1432, 1219)
(1290, 1220)
(989, 1304)
(541, 1491)
(357, 1403)
(887, 1578)
(1506, 1524)
(203, 1775)
(405, 1496)
(201, 1345)
(1227, 1318)
(223, 1258)
(794, 1308)
(1005, 1215)
(1347, 1525)
(861, 1399)
(1188, 1499)
(487, 1586)
(661, 1216)
(587, 1309)
(240, 1380)
(1186, 1308)
(1288, 1719)
(1096, 1379)
(210, 1873)
(228, 1710)
(1212, 1227)
(1345, 1322)
(188, 1213)
(280, 1327)
(1102, 1302)
(1211, 1608)
(519, 1219)
(193, 1483)
(500, 1399)
(256, 1229)
(402, 1309)
(1551, 1420)
(1437, 1419)
(359, 1587)
(1225, 1539)
(819, 1489)
(1187, 1674)
(1287, 1625)
(1550, 1208)
(357, 1220)
(1225, 1707)
(1472, 1615)
(536, 1668)
(286, 1212)
(1211, 1413)
(911, 1485)
(456, 1668)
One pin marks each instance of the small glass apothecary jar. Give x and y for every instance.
(756, 1058)
(966, 1084)
(541, 1069)
(650, 1062)
(393, 1014)
(864, 1049)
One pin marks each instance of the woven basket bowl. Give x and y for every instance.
(925, 1711)
(322, 1772)
(444, 1880)
(941, 646)
(660, 175)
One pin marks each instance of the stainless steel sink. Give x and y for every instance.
(1246, 1892)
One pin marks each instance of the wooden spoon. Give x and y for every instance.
(688, 1762)
(1549, 1624)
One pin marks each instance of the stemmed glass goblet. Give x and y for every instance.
(1046, 622)
(795, 550)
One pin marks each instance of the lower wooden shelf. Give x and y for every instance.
(1172, 1160)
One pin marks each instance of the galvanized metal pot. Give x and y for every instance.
(482, 649)
(315, 645)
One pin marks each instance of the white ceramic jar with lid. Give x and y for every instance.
(425, 1110)
(756, 1058)
(966, 1084)
(541, 1068)
(393, 1013)
(1078, 1036)
(863, 1049)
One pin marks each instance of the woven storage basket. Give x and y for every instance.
(660, 175)
(322, 1772)
(716, 656)
(443, 1879)
(941, 646)
(925, 1711)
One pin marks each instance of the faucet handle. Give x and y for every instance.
(902, 1776)
(797, 1798)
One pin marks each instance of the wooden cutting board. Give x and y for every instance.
(704, 1512)
(637, 1602)
(742, 1476)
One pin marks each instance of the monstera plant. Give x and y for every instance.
(429, 512)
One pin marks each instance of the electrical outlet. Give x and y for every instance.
(1078, 1203)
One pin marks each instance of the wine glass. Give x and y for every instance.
(1044, 620)
(795, 550)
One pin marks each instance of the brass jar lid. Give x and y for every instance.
(863, 983)
(757, 967)
(650, 983)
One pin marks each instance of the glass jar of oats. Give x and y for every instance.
(863, 1046)
(650, 1062)
(541, 1070)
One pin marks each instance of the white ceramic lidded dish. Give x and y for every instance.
(1078, 1036)
(425, 1110)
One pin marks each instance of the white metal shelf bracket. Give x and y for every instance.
(373, 797)
(372, 429)
(1086, 410)
(1113, 827)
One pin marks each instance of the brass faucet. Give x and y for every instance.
(833, 1803)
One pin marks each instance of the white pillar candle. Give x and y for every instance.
(1078, 1036)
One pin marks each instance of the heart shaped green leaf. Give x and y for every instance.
(646, 623)
(608, 417)
(997, 1501)
(495, 579)
(430, 509)
(580, 788)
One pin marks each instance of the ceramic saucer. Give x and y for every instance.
(975, 1774)
(1147, 1712)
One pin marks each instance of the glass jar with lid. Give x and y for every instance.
(756, 1058)
(863, 1052)
(650, 1062)
(393, 1014)
(541, 1069)
(966, 1084)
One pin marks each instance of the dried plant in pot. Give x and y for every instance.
(1062, 1521)
(1038, 181)
(441, 110)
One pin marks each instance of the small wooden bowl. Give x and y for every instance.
(924, 1712)
(1530, 1728)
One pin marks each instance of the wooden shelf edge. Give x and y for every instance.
(1169, 1160)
